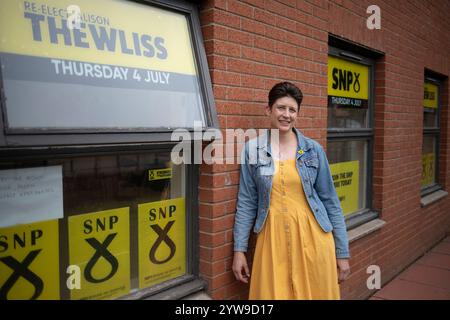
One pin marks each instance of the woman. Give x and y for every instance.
(287, 195)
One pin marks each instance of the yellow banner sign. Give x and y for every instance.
(162, 241)
(158, 174)
(346, 181)
(428, 169)
(99, 243)
(102, 31)
(29, 261)
(347, 79)
(430, 95)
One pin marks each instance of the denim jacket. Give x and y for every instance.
(255, 185)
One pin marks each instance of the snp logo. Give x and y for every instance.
(345, 80)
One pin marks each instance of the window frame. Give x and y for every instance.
(44, 137)
(435, 132)
(354, 55)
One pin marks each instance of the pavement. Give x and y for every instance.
(428, 278)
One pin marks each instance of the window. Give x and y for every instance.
(125, 224)
(350, 132)
(431, 132)
(133, 68)
(86, 178)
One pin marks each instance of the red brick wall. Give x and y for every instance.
(253, 44)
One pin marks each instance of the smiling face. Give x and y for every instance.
(283, 114)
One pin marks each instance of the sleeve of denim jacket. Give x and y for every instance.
(327, 193)
(247, 204)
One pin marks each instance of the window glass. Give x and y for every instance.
(124, 226)
(430, 105)
(431, 134)
(429, 159)
(341, 116)
(123, 65)
(348, 165)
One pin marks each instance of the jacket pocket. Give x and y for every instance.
(312, 166)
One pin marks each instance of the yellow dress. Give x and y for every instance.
(294, 258)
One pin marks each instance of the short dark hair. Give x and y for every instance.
(285, 89)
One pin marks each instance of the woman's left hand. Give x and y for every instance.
(343, 269)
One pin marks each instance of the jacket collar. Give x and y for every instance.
(303, 143)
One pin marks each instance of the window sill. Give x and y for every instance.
(365, 229)
(433, 197)
(187, 290)
(202, 295)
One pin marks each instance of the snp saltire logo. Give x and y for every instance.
(162, 241)
(99, 243)
(29, 261)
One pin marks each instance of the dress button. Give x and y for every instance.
(317, 209)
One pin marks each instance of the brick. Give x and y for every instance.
(225, 78)
(255, 3)
(241, 37)
(210, 269)
(222, 280)
(227, 19)
(252, 26)
(276, 7)
(265, 17)
(217, 62)
(242, 66)
(264, 43)
(239, 8)
(275, 33)
(226, 48)
(217, 194)
(253, 54)
(238, 93)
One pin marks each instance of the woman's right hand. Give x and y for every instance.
(240, 267)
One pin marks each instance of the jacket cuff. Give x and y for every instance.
(341, 254)
(240, 248)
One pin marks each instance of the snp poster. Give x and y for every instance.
(348, 83)
(162, 241)
(346, 181)
(29, 261)
(99, 244)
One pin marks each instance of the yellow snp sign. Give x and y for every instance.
(110, 32)
(162, 241)
(109, 55)
(347, 79)
(29, 261)
(99, 243)
(430, 95)
(428, 169)
(119, 54)
(346, 181)
(158, 174)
